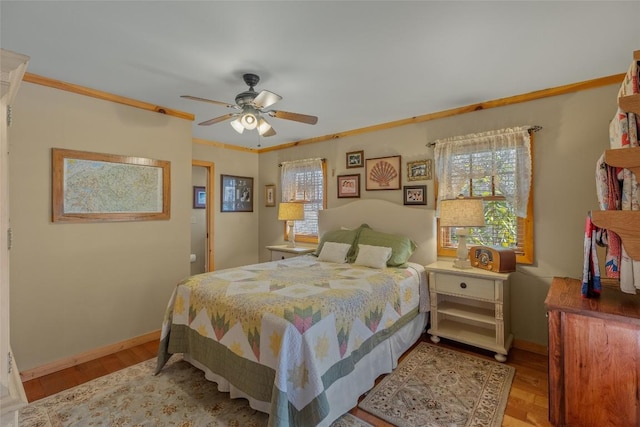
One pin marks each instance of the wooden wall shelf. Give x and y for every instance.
(630, 103)
(625, 223)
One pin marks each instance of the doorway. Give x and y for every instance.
(202, 255)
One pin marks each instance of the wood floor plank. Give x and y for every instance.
(528, 402)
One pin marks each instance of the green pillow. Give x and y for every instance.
(401, 247)
(341, 236)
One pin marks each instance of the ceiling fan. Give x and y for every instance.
(251, 109)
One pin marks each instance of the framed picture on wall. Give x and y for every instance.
(415, 194)
(270, 195)
(199, 197)
(419, 170)
(348, 186)
(236, 193)
(383, 173)
(355, 159)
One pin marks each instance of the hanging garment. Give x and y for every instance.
(608, 192)
(591, 284)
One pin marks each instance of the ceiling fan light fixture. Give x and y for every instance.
(249, 121)
(263, 126)
(237, 125)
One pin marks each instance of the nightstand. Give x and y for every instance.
(279, 252)
(470, 306)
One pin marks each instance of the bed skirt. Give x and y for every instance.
(344, 393)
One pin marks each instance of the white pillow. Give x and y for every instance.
(334, 252)
(373, 256)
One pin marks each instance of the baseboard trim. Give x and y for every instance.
(87, 356)
(531, 346)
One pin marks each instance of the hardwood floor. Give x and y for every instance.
(528, 402)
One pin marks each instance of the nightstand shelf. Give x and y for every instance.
(470, 306)
(464, 311)
(280, 252)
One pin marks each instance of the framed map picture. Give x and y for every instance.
(95, 187)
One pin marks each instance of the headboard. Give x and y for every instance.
(417, 224)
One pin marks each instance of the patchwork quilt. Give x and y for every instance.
(284, 331)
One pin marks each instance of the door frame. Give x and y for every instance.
(210, 166)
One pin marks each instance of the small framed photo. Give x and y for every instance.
(199, 197)
(236, 193)
(270, 195)
(348, 186)
(355, 159)
(419, 170)
(415, 194)
(383, 173)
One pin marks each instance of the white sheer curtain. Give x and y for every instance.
(503, 154)
(303, 180)
(300, 179)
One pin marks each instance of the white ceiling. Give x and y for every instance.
(351, 63)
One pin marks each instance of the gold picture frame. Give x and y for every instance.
(420, 170)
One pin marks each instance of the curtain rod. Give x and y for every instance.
(534, 128)
(323, 160)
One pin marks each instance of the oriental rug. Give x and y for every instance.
(179, 396)
(438, 387)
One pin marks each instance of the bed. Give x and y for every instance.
(303, 338)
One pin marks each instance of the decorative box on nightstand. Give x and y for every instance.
(279, 252)
(470, 306)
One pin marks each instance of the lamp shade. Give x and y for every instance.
(461, 213)
(290, 211)
(263, 126)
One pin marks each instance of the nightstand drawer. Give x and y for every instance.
(471, 287)
(278, 255)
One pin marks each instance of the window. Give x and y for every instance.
(305, 181)
(496, 167)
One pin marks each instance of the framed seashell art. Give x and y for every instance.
(383, 173)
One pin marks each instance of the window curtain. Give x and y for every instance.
(303, 180)
(300, 180)
(503, 154)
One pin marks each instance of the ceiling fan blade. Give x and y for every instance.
(195, 98)
(303, 118)
(217, 119)
(265, 99)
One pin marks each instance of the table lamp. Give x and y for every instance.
(291, 212)
(462, 213)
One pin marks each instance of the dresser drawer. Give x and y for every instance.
(471, 287)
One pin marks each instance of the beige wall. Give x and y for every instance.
(235, 234)
(575, 134)
(77, 287)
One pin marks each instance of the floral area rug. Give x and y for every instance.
(434, 386)
(178, 396)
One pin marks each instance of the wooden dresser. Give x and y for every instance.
(594, 356)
